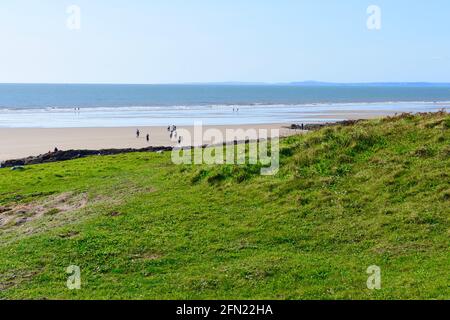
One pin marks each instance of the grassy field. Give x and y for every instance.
(140, 227)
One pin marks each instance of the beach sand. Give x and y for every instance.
(21, 143)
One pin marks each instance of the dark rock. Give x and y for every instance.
(75, 154)
(4, 209)
(317, 126)
(21, 221)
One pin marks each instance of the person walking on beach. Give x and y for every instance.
(138, 133)
(148, 137)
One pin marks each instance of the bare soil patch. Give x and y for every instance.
(19, 214)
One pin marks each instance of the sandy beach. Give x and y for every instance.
(16, 143)
(23, 142)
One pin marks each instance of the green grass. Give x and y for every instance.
(346, 198)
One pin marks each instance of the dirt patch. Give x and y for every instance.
(8, 281)
(68, 235)
(149, 257)
(4, 209)
(23, 213)
(115, 214)
(151, 190)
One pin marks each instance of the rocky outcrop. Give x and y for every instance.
(317, 126)
(75, 154)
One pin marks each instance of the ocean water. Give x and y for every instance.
(52, 106)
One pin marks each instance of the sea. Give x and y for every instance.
(97, 105)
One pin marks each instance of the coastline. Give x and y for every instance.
(17, 143)
(20, 143)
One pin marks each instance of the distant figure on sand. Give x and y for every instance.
(56, 149)
(138, 133)
(148, 137)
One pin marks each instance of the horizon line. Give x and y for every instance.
(249, 83)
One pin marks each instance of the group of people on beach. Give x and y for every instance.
(138, 134)
(174, 134)
(172, 129)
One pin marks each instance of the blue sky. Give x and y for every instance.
(175, 41)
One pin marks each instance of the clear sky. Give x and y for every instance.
(177, 41)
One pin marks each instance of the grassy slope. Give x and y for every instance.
(345, 198)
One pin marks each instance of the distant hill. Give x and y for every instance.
(371, 84)
(326, 84)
